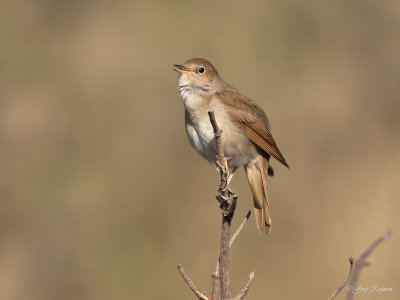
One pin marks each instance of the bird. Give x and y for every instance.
(247, 139)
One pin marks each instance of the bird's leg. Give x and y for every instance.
(226, 197)
(219, 166)
(226, 172)
(225, 168)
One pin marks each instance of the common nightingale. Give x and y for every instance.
(246, 138)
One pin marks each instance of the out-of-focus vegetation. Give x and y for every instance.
(101, 194)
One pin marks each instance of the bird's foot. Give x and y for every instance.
(219, 166)
(227, 200)
(224, 167)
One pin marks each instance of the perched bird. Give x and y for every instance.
(247, 139)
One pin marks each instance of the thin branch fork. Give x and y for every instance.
(215, 274)
(362, 261)
(356, 266)
(243, 292)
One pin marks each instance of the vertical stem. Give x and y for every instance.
(224, 257)
(228, 203)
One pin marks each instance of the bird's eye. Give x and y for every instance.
(201, 70)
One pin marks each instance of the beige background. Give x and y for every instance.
(101, 194)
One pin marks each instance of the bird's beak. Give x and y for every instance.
(180, 69)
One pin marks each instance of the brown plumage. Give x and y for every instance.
(247, 138)
(248, 114)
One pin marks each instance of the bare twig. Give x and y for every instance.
(243, 292)
(362, 262)
(224, 258)
(227, 200)
(215, 285)
(190, 283)
(234, 236)
(337, 291)
(215, 274)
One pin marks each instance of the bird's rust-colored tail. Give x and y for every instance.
(257, 174)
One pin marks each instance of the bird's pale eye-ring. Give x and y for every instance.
(201, 70)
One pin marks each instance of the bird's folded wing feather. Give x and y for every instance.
(248, 114)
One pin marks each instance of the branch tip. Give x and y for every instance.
(243, 292)
(195, 290)
(356, 265)
(337, 291)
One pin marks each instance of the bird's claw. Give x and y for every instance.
(224, 168)
(227, 200)
(220, 166)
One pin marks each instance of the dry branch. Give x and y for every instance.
(235, 235)
(243, 292)
(227, 200)
(355, 268)
(190, 283)
(215, 285)
(337, 291)
(215, 274)
(362, 262)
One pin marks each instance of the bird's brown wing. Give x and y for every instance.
(247, 113)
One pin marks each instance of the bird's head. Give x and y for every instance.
(197, 75)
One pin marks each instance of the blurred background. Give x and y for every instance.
(101, 194)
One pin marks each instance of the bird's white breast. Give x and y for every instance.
(201, 136)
